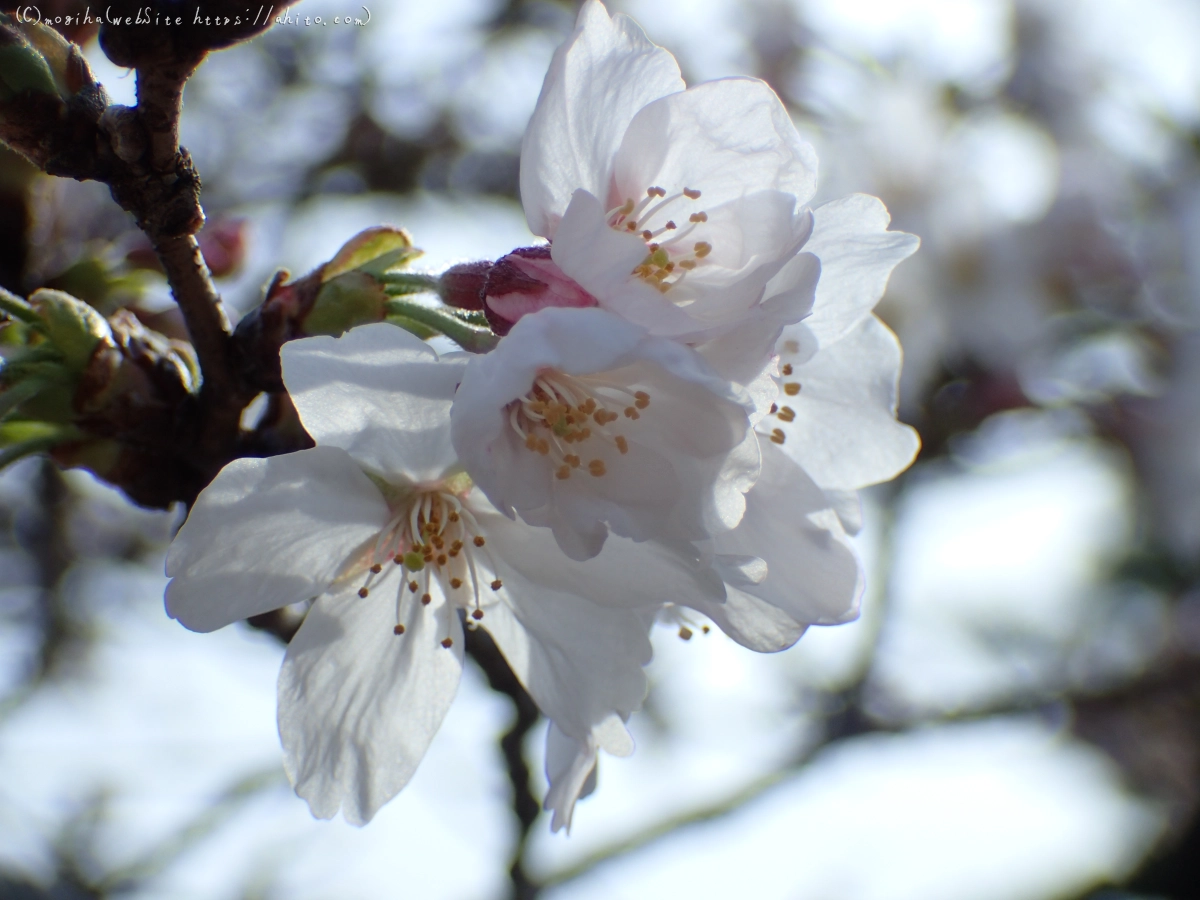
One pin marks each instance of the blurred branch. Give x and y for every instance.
(482, 649)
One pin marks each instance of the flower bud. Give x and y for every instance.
(525, 281)
(70, 325)
(461, 286)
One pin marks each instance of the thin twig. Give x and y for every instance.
(482, 649)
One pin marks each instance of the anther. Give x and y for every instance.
(787, 414)
(572, 460)
(441, 560)
(497, 584)
(479, 541)
(622, 444)
(647, 234)
(670, 226)
(685, 633)
(596, 467)
(453, 517)
(659, 192)
(477, 614)
(563, 472)
(791, 346)
(412, 586)
(399, 629)
(705, 629)
(362, 592)
(698, 217)
(774, 408)
(787, 369)
(641, 399)
(426, 599)
(398, 559)
(447, 643)
(376, 569)
(792, 388)
(456, 583)
(778, 436)
(702, 249)
(691, 194)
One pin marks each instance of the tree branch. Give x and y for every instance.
(482, 649)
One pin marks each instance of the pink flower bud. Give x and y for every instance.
(525, 281)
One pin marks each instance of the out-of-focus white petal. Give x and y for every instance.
(598, 80)
(269, 532)
(358, 704)
(857, 255)
(571, 771)
(753, 623)
(844, 431)
(679, 461)
(726, 138)
(813, 574)
(379, 393)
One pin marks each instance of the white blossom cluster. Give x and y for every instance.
(692, 387)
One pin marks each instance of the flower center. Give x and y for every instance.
(667, 261)
(562, 413)
(432, 537)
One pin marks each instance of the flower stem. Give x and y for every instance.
(466, 335)
(409, 282)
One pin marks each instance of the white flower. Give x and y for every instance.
(581, 421)
(379, 525)
(671, 206)
(839, 369)
(827, 409)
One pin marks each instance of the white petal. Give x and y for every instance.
(580, 661)
(605, 72)
(601, 259)
(744, 354)
(857, 255)
(813, 574)
(725, 138)
(625, 574)
(358, 704)
(269, 532)
(753, 623)
(378, 392)
(845, 432)
(571, 771)
(686, 462)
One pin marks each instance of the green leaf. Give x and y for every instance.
(353, 298)
(12, 397)
(372, 251)
(71, 325)
(22, 67)
(17, 308)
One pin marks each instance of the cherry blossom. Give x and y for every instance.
(583, 422)
(378, 523)
(671, 206)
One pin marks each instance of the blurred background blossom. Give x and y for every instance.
(1016, 714)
